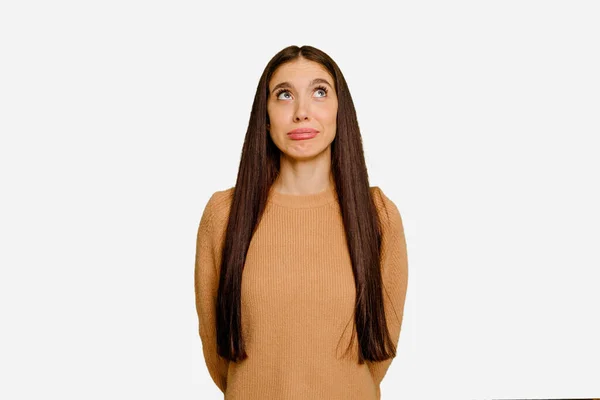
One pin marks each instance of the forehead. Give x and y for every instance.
(300, 72)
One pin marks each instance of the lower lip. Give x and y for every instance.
(302, 136)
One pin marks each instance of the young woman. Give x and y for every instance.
(301, 267)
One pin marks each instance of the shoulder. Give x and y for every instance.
(218, 205)
(387, 210)
(219, 202)
(216, 212)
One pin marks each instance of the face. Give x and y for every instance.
(302, 95)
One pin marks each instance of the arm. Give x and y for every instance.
(394, 275)
(206, 282)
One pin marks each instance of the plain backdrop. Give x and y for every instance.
(119, 120)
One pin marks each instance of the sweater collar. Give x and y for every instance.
(326, 196)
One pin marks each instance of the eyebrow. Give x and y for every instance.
(313, 82)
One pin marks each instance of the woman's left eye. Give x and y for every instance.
(322, 89)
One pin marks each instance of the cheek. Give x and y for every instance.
(276, 115)
(325, 112)
(329, 115)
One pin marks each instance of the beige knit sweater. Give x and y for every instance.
(298, 295)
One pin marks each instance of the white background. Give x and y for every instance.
(119, 119)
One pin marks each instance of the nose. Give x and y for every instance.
(301, 111)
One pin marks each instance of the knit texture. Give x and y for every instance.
(298, 296)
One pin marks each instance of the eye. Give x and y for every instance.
(280, 91)
(323, 89)
(318, 88)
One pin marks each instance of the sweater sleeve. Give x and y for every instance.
(394, 271)
(206, 282)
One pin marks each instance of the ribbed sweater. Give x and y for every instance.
(298, 297)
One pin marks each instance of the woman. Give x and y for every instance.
(301, 267)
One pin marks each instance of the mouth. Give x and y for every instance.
(302, 135)
(303, 130)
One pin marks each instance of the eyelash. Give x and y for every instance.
(323, 88)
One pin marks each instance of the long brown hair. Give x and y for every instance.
(258, 169)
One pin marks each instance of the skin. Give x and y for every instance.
(305, 164)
